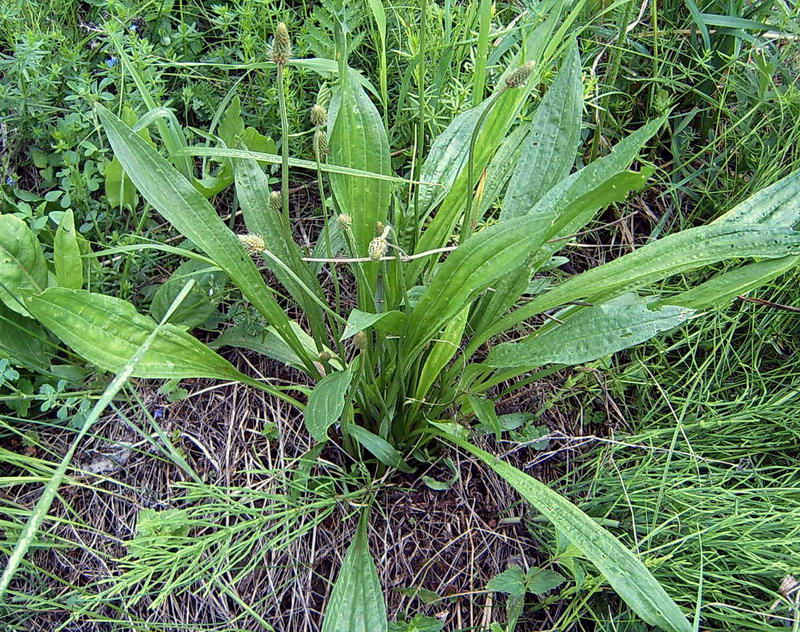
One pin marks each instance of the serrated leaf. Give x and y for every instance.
(511, 581)
(22, 264)
(552, 143)
(538, 581)
(108, 331)
(356, 603)
(67, 254)
(326, 403)
(623, 570)
(591, 333)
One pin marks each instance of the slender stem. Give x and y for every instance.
(284, 142)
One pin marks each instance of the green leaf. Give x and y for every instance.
(180, 203)
(446, 157)
(22, 341)
(591, 333)
(687, 250)
(359, 141)
(108, 331)
(538, 581)
(485, 412)
(776, 205)
(67, 254)
(378, 447)
(442, 351)
(511, 581)
(267, 342)
(552, 143)
(326, 403)
(257, 142)
(198, 305)
(252, 191)
(231, 127)
(723, 288)
(119, 189)
(356, 603)
(388, 322)
(484, 258)
(623, 570)
(22, 264)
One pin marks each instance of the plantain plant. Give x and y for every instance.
(413, 283)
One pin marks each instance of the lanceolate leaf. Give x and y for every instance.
(552, 143)
(680, 252)
(326, 403)
(482, 259)
(776, 205)
(359, 141)
(508, 290)
(623, 570)
(378, 447)
(67, 254)
(252, 191)
(108, 331)
(22, 264)
(445, 159)
(356, 603)
(725, 287)
(592, 333)
(186, 209)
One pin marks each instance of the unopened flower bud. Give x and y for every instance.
(276, 201)
(379, 228)
(319, 116)
(520, 75)
(282, 46)
(324, 356)
(345, 221)
(253, 244)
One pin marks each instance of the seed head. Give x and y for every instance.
(378, 248)
(276, 201)
(360, 340)
(520, 75)
(253, 244)
(282, 46)
(345, 221)
(320, 143)
(319, 115)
